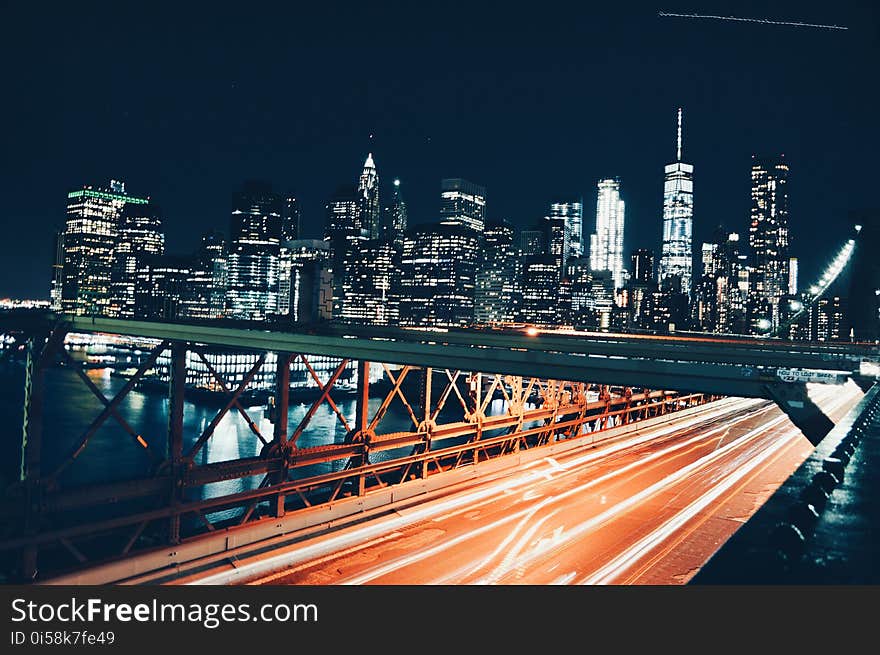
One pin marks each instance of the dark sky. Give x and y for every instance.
(185, 100)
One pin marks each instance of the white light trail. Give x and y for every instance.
(764, 21)
(525, 515)
(628, 558)
(465, 501)
(525, 560)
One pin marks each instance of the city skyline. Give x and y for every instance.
(423, 123)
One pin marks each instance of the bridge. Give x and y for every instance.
(560, 390)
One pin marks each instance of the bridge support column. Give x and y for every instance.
(176, 387)
(282, 401)
(362, 419)
(427, 423)
(803, 412)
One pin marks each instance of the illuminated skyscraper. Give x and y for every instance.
(254, 242)
(343, 233)
(768, 241)
(678, 215)
(572, 212)
(437, 276)
(140, 235)
(463, 203)
(556, 237)
(540, 290)
(497, 283)
(581, 282)
(89, 241)
(368, 195)
(205, 295)
(606, 244)
(370, 284)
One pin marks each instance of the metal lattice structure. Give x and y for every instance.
(48, 525)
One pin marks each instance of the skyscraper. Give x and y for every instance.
(497, 284)
(641, 284)
(368, 195)
(395, 216)
(254, 242)
(343, 233)
(463, 203)
(370, 284)
(556, 240)
(540, 290)
(768, 240)
(205, 294)
(140, 235)
(437, 276)
(572, 212)
(606, 244)
(162, 282)
(678, 215)
(642, 265)
(89, 241)
(581, 284)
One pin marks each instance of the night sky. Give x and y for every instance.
(183, 101)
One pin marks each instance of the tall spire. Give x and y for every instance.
(678, 150)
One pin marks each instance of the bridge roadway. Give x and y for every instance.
(649, 508)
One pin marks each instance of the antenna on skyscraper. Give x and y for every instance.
(678, 155)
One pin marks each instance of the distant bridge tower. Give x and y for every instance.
(864, 290)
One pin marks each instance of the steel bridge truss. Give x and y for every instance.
(79, 525)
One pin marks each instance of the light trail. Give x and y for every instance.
(764, 21)
(615, 510)
(516, 543)
(628, 558)
(526, 514)
(463, 502)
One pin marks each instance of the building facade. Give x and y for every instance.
(368, 197)
(437, 276)
(88, 244)
(606, 243)
(253, 255)
(497, 289)
(676, 257)
(768, 241)
(463, 203)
